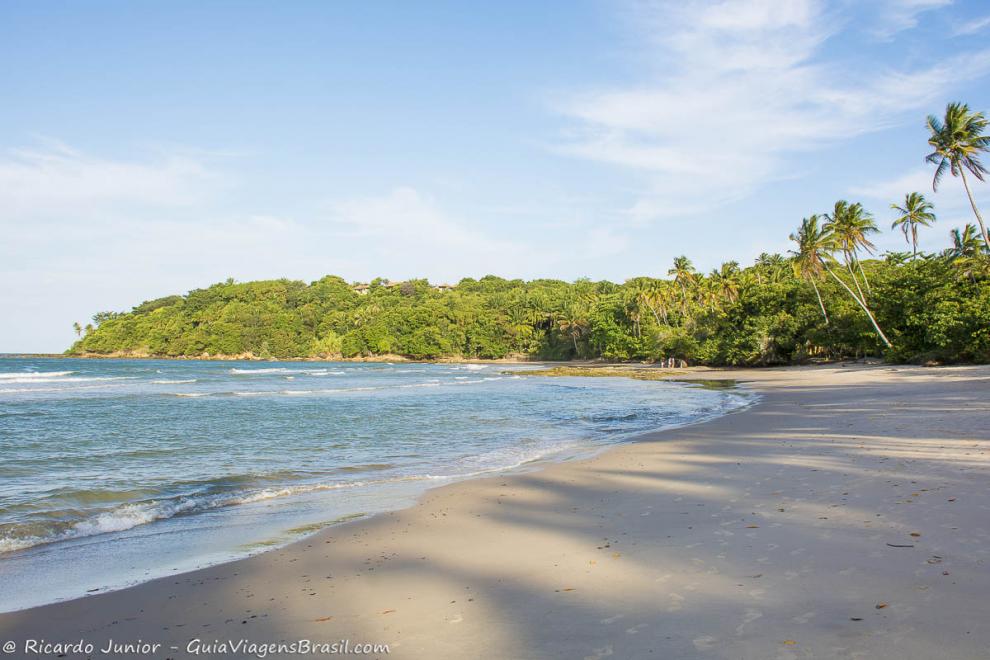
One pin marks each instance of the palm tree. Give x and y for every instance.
(684, 276)
(77, 328)
(814, 252)
(967, 251)
(965, 243)
(726, 281)
(850, 224)
(809, 263)
(770, 265)
(957, 141)
(917, 211)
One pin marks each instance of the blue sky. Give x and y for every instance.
(150, 148)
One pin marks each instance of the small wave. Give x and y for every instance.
(284, 370)
(33, 375)
(73, 379)
(128, 516)
(191, 394)
(174, 382)
(248, 372)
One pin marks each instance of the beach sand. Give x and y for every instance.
(847, 515)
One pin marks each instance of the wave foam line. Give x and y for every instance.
(34, 375)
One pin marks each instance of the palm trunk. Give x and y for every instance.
(656, 316)
(979, 218)
(914, 241)
(820, 303)
(852, 274)
(862, 304)
(863, 273)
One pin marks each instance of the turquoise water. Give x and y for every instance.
(116, 471)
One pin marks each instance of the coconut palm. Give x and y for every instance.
(813, 243)
(573, 322)
(968, 253)
(684, 276)
(957, 141)
(814, 252)
(769, 267)
(965, 243)
(916, 212)
(725, 281)
(850, 225)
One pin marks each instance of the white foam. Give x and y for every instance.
(173, 382)
(33, 375)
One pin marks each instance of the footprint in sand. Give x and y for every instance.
(804, 618)
(750, 616)
(705, 642)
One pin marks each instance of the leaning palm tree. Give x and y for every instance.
(850, 225)
(916, 212)
(957, 141)
(813, 243)
(815, 247)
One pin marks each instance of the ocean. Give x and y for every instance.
(118, 471)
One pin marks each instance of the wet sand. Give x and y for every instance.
(847, 515)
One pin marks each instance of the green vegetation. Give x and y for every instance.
(832, 297)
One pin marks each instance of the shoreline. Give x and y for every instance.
(567, 560)
(408, 495)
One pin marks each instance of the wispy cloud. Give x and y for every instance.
(406, 233)
(52, 176)
(899, 15)
(740, 88)
(972, 27)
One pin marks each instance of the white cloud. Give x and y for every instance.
(899, 15)
(739, 89)
(406, 234)
(972, 27)
(53, 177)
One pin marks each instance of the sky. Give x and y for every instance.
(148, 149)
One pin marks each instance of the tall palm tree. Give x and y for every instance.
(916, 212)
(815, 248)
(809, 262)
(850, 225)
(684, 276)
(957, 141)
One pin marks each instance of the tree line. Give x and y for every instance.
(832, 296)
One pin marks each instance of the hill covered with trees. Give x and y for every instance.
(830, 297)
(930, 309)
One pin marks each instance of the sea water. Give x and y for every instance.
(117, 471)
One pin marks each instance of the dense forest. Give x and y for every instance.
(830, 297)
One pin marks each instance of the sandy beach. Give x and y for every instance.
(846, 515)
